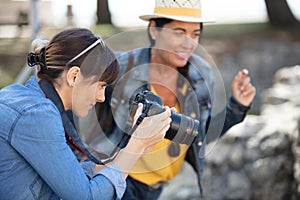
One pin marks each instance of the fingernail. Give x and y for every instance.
(245, 71)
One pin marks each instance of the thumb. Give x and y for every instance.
(138, 112)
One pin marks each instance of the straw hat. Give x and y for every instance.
(181, 10)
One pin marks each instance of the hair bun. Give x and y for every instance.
(37, 59)
(38, 44)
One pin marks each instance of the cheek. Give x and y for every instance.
(167, 44)
(82, 100)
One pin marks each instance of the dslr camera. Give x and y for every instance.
(183, 129)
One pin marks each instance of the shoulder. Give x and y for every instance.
(140, 56)
(24, 111)
(20, 97)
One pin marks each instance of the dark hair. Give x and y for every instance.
(100, 61)
(159, 23)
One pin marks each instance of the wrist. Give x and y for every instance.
(237, 108)
(135, 146)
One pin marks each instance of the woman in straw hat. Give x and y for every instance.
(170, 69)
(35, 130)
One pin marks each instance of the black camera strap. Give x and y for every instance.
(71, 134)
(140, 119)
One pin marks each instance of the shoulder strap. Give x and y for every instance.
(115, 100)
(105, 112)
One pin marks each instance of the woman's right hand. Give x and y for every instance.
(151, 131)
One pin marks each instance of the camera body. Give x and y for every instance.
(183, 129)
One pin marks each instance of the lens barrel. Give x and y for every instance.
(183, 129)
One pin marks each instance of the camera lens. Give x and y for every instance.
(183, 129)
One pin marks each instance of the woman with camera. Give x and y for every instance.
(170, 68)
(37, 134)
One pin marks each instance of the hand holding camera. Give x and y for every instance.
(151, 130)
(183, 129)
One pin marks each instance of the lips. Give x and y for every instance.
(183, 55)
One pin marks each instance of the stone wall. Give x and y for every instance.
(260, 158)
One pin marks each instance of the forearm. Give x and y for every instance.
(128, 156)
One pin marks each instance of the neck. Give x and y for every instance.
(159, 67)
(64, 93)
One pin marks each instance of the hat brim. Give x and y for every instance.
(179, 18)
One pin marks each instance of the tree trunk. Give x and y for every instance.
(280, 15)
(103, 14)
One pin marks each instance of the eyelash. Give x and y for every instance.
(102, 86)
(182, 33)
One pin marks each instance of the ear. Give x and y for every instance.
(72, 74)
(152, 29)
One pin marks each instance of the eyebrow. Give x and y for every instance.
(184, 30)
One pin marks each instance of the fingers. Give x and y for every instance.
(157, 121)
(163, 115)
(242, 89)
(249, 91)
(245, 72)
(154, 125)
(241, 81)
(172, 109)
(241, 77)
(244, 83)
(152, 129)
(166, 127)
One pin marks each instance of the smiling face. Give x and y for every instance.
(86, 93)
(175, 42)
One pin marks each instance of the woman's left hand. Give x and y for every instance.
(241, 88)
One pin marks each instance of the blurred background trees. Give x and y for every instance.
(279, 13)
(103, 13)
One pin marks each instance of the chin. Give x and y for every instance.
(181, 64)
(81, 113)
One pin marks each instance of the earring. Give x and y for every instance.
(153, 38)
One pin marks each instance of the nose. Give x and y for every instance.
(100, 100)
(100, 96)
(188, 42)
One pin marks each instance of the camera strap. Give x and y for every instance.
(140, 119)
(71, 134)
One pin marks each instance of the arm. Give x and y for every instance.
(151, 131)
(239, 103)
(43, 145)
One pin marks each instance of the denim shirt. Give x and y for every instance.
(36, 162)
(197, 102)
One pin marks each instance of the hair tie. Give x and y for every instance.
(38, 59)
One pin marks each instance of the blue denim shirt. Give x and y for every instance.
(35, 160)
